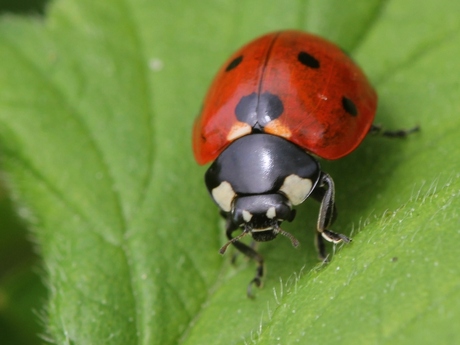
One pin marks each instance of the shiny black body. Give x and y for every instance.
(259, 163)
(256, 166)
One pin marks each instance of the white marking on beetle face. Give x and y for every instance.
(247, 216)
(271, 212)
(223, 195)
(296, 188)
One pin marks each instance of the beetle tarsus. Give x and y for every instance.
(250, 253)
(398, 133)
(334, 237)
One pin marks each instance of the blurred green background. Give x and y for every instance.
(22, 292)
(22, 6)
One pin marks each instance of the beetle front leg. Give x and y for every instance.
(325, 193)
(250, 253)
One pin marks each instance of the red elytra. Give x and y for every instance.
(328, 105)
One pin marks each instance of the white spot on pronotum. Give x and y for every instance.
(271, 212)
(296, 188)
(223, 195)
(247, 216)
(156, 64)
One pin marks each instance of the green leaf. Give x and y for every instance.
(97, 103)
(21, 290)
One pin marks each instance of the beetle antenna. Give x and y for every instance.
(294, 241)
(233, 240)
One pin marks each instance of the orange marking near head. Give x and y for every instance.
(275, 127)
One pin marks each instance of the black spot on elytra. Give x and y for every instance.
(270, 108)
(258, 110)
(349, 106)
(235, 62)
(245, 110)
(308, 60)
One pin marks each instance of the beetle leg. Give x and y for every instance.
(250, 253)
(230, 228)
(325, 194)
(320, 246)
(400, 133)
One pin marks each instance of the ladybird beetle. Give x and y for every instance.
(275, 106)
